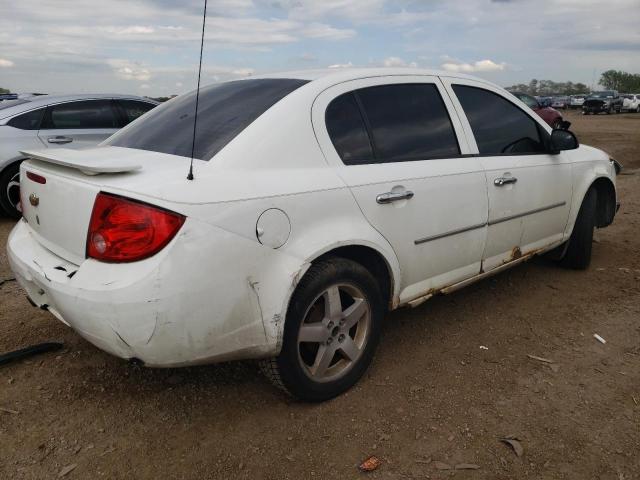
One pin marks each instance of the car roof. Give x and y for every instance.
(354, 73)
(39, 101)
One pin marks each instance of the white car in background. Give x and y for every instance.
(54, 121)
(576, 101)
(320, 201)
(631, 102)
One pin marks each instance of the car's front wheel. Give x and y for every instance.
(10, 190)
(578, 252)
(331, 331)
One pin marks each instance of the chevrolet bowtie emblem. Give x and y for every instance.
(34, 199)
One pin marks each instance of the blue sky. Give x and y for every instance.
(151, 47)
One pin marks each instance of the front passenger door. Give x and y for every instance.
(529, 188)
(79, 124)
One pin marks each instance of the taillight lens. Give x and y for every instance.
(125, 230)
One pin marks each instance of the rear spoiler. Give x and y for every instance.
(93, 161)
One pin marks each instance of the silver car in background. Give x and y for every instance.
(48, 121)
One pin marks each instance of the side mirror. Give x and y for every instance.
(563, 140)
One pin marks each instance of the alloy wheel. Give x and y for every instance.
(334, 333)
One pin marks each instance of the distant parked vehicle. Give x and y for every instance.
(8, 96)
(46, 121)
(631, 102)
(544, 101)
(576, 101)
(561, 102)
(607, 101)
(548, 114)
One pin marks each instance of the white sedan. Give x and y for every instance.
(320, 200)
(55, 121)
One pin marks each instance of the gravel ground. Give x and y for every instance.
(432, 399)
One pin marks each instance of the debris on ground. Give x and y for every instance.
(442, 466)
(514, 443)
(467, 466)
(599, 338)
(482, 347)
(29, 351)
(370, 464)
(67, 470)
(540, 359)
(7, 280)
(8, 410)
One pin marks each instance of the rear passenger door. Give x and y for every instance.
(78, 124)
(529, 189)
(399, 146)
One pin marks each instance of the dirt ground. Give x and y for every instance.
(432, 397)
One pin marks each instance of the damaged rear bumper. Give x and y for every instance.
(186, 305)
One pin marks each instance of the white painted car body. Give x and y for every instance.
(273, 200)
(13, 140)
(631, 102)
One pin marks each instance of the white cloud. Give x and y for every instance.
(479, 66)
(341, 65)
(145, 86)
(129, 70)
(6, 63)
(398, 62)
(321, 30)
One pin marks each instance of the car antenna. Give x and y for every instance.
(195, 116)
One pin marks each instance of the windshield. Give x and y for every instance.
(11, 103)
(224, 110)
(602, 95)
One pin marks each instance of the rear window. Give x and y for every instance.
(224, 110)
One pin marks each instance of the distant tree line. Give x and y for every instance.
(4, 90)
(620, 81)
(545, 88)
(610, 80)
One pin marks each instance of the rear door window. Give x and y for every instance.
(499, 126)
(86, 114)
(133, 109)
(27, 121)
(404, 122)
(224, 110)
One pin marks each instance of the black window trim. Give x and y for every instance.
(377, 159)
(544, 135)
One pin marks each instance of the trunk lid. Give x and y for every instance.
(58, 206)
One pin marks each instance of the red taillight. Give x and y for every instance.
(36, 178)
(124, 230)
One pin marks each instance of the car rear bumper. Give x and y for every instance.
(179, 307)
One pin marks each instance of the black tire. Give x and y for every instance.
(289, 370)
(578, 253)
(9, 193)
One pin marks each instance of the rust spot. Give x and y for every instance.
(516, 253)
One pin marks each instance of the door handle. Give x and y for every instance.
(59, 140)
(389, 197)
(501, 181)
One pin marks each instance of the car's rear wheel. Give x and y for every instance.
(578, 251)
(331, 331)
(10, 190)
